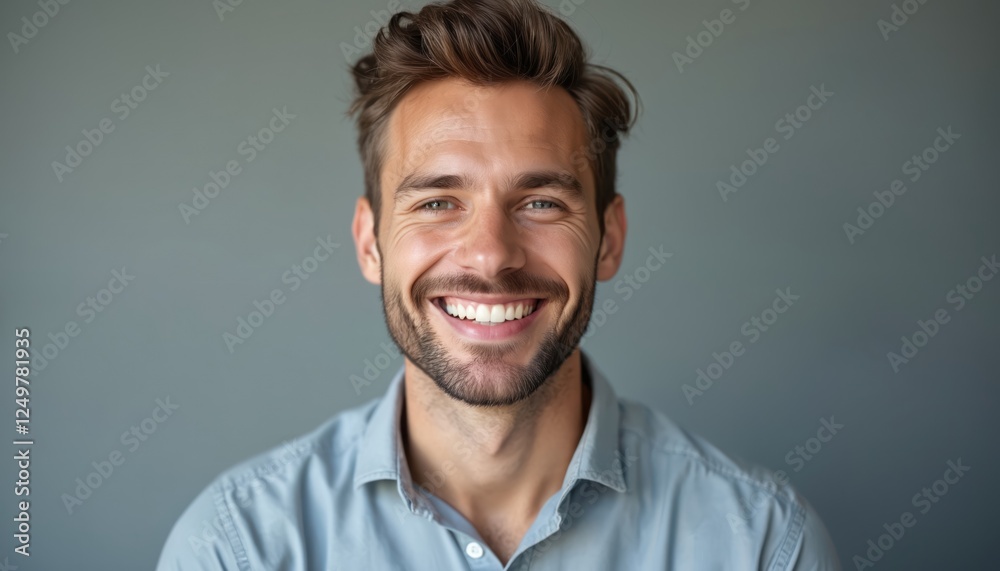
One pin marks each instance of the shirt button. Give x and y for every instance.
(474, 550)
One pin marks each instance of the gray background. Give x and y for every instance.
(163, 335)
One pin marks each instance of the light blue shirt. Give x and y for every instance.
(640, 493)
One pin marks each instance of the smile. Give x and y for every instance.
(502, 319)
(487, 313)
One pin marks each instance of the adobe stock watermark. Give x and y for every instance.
(899, 15)
(786, 126)
(626, 287)
(223, 7)
(375, 366)
(958, 297)
(915, 167)
(631, 282)
(568, 7)
(132, 439)
(122, 106)
(212, 532)
(48, 10)
(802, 453)
(365, 35)
(88, 309)
(293, 277)
(697, 44)
(247, 148)
(923, 500)
(753, 329)
(796, 458)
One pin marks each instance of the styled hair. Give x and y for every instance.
(486, 43)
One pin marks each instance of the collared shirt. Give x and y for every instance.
(639, 493)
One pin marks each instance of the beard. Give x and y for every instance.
(488, 379)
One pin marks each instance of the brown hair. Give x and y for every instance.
(486, 42)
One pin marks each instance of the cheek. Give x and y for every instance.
(566, 258)
(570, 242)
(410, 254)
(421, 248)
(571, 238)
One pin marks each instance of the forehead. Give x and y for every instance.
(451, 124)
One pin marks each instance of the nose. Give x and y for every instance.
(491, 244)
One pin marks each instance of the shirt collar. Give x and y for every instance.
(597, 458)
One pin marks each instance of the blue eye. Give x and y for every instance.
(435, 205)
(550, 205)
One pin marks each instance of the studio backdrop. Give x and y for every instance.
(810, 279)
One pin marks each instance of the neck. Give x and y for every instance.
(485, 461)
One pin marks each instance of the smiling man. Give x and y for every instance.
(490, 211)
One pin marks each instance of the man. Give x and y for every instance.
(490, 211)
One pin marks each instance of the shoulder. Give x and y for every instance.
(666, 442)
(717, 494)
(264, 495)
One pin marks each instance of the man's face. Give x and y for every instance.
(488, 245)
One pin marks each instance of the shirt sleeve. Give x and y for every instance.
(201, 540)
(814, 550)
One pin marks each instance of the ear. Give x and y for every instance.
(365, 241)
(613, 244)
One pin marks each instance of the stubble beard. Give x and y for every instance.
(489, 379)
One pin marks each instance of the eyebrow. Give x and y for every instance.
(559, 180)
(416, 182)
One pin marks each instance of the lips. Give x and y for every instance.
(491, 327)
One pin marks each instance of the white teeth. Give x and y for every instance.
(483, 313)
(490, 314)
(497, 314)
